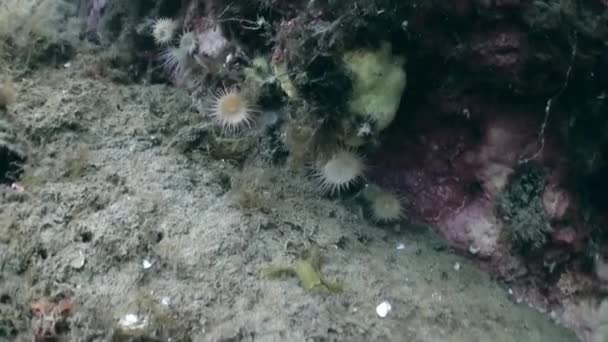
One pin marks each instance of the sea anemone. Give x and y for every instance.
(163, 31)
(342, 171)
(176, 59)
(230, 109)
(384, 206)
(187, 42)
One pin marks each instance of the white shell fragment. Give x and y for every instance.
(457, 266)
(400, 246)
(474, 249)
(146, 264)
(78, 261)
(383, 309)
(133, 322)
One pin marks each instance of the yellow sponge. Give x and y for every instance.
(379, 79)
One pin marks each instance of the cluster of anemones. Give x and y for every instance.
(340, 172)
(175, 58)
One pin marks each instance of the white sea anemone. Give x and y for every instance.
(187, 42)
(343, 170)
(175, 60)
(384, 206)
(163, 31)
(230, 109)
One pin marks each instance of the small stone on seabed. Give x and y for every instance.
(400, 246)
(383, 309)
(457, 266)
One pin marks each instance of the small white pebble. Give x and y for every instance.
(383, 309)
(473, 249)
(165, 301)
(511, 292)
(17, 187)
(457, 266)
(78, 261)
(400, 246)
(67, 65)
(146, 264)
(132, 322)
(130, 319)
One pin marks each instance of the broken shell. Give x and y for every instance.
(78, 261)
(474, 249)
(383, 309)
(146, 264)
(133, 322)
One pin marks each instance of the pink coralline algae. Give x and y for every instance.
(502, 50)
(451, 168)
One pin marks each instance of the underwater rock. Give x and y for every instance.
(503, 51)
(501, 4)
(557, 201)
(7, 96)
(92, 11)
(600, 73)
(12, 152)
(474, 228)
(452, 169)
